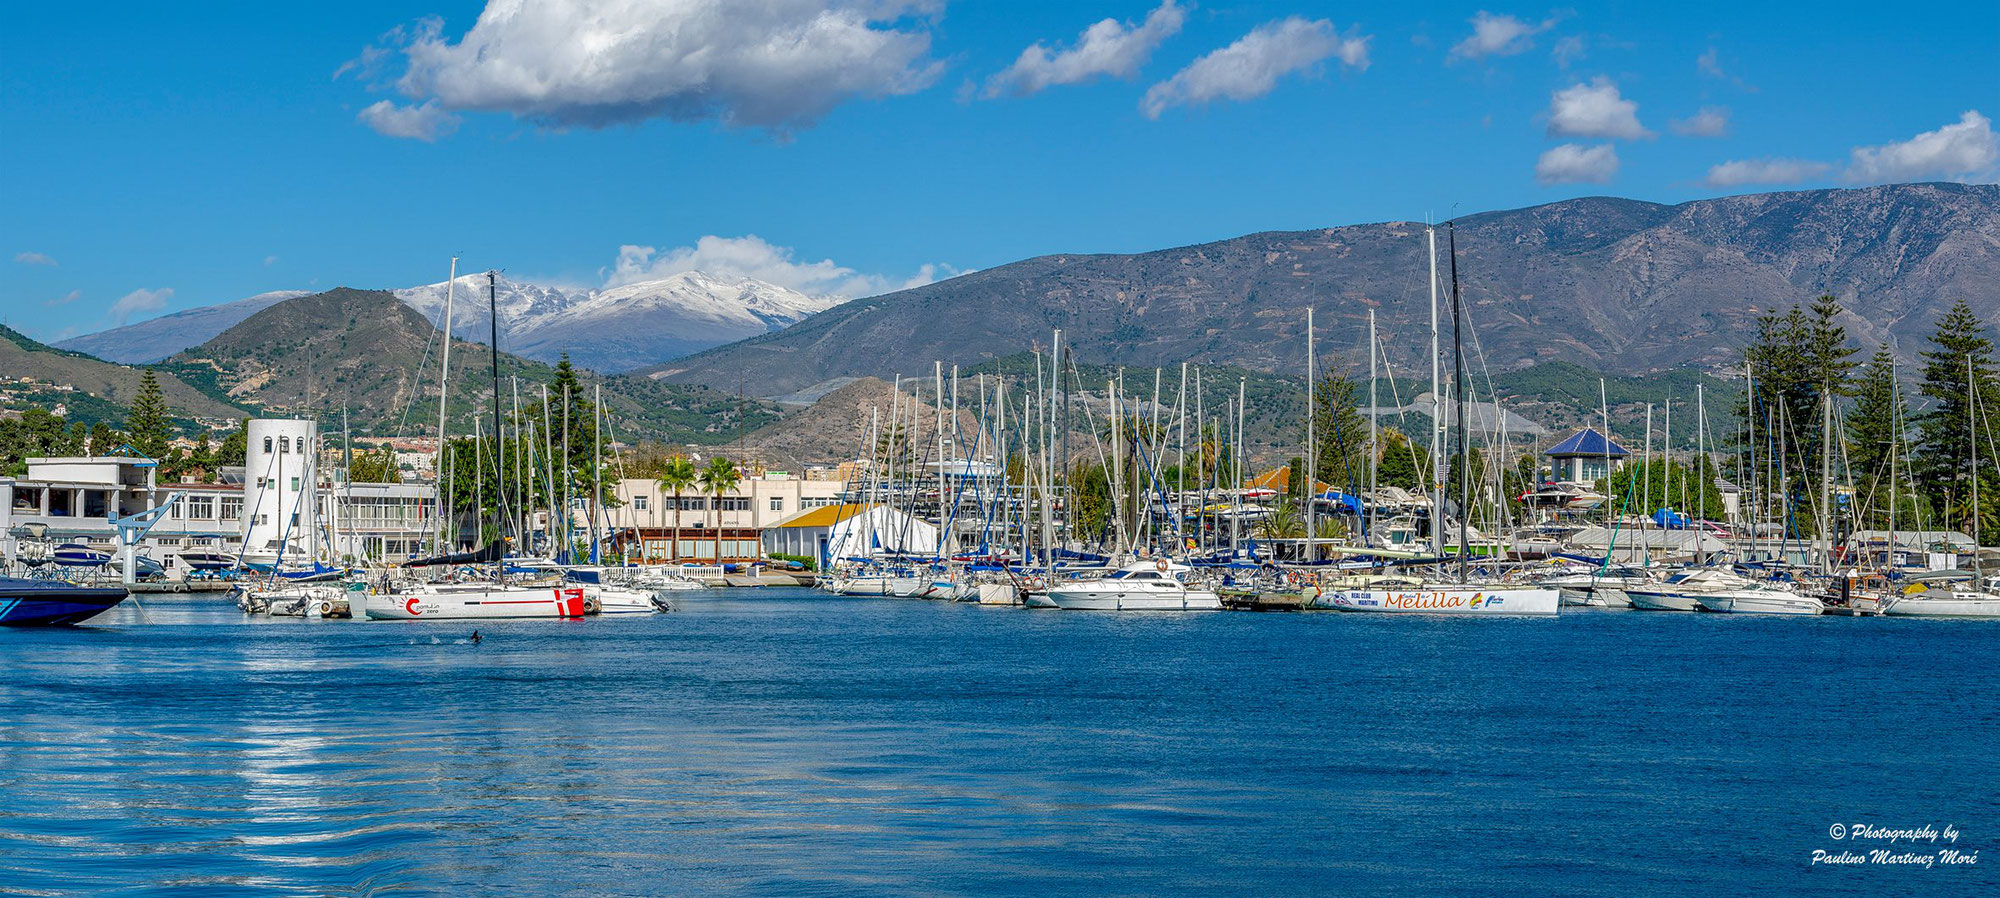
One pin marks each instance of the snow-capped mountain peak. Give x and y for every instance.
(616, 328)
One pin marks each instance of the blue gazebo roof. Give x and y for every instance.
(1587, 443)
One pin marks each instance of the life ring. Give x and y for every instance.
(325, 608)
(1161, 564)
(591, 606)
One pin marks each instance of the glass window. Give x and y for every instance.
(638, 503)
(267, 446)
(232, 508)
(777, 503)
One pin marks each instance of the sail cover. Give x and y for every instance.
(493, 552)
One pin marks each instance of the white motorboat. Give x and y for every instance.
(1593, 589)
(1761, 600)
(473, 601)
(1953, 604)
(1944, 594)
(1718, 590)
(298, 601)
(1443, 598)
(1144, 586)
(613, 600)
(1682, 591)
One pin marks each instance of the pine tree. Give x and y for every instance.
(1401, 465)
(235, 447)
(1800, 361)
(1958, 364)
(148, 425)
(1873, 437)
(1340, 434)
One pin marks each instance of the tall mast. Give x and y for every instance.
(1237, 453)
(1895, 444)
(1374, 451)
(499, 446)
(1437, 409)
(1972, 430)
(1311, 488)
(1458, 397)
(444, 387)
(597, 470)
(1750, 403)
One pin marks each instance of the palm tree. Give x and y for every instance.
(719, 477)
(677, 474)
(1285, 522)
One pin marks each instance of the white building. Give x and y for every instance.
(847, 531)
(76, 498)
(646, 516)
(280, 470)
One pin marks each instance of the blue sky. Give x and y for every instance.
(157, 157)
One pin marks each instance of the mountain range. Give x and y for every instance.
(613, 329)
(366, 358)
(1615, 285)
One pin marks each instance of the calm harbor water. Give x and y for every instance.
(785, 742)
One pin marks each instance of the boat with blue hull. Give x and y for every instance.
(45, 603)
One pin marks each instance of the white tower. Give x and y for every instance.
(279, 470)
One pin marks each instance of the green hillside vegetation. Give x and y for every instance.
(1563, 396)
(35, 374)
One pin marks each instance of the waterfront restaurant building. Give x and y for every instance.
(645, 520)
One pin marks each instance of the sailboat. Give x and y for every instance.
(1462, 597)
(1972, 596)
(481, 598)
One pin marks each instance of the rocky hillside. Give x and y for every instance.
(366, 354)
(1615, 285)
(615, 329)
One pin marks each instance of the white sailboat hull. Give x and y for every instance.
(1442, 600)
(1957, 605)
(477, 604)
(1761, 601)
(999, 594)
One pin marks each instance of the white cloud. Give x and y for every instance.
(1498, 35)
(1594, 110)
(1577, 164)
(425, 121)
(752, 257)
(1109, 47)
(65, 299)
(1567, 50)
(1967, 150)
(1738, 172)
(1251, 67)
(34, 258)
(139, 302)
(1710, 64)
(775, 64)
(1709, 121)
(270, 261)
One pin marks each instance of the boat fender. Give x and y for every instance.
(591, 606)
(325, 608)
